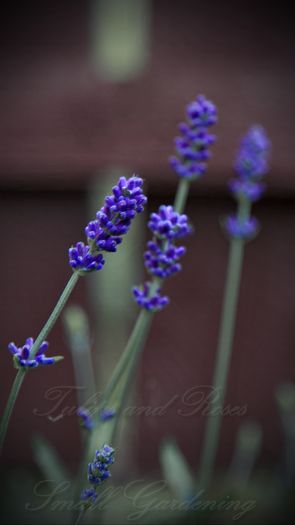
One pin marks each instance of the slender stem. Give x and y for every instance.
(122, 393)
(55, 314)
(181, 195)
(224, 350)
(10, 404)
(22, 372)
(79, 517)
(141, 326)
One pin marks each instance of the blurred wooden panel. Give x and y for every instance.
(60, 120)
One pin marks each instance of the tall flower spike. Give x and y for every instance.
(162, 256)
(250, 166)
(21, 355)
(111, 223)
(98, 471)
(192, 148)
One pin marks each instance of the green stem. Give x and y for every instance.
(55, 314)
(22, 372)
(140, 327)
(17, 383)
(122, 393)
(224, 350)
(80, 516)
(181, 195)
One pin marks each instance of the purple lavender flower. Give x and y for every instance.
(162, 256)
(252, 158)
(88, 496)
(111, 223)
(151, 302)
(247, 189)
(86, 420)
(82, 259)
(202, 113)
(98, 470)
(106, 414)
(168, 224)
(163, 261)
(251, 164)
(192, 147)
(241, 229)
(21, 355)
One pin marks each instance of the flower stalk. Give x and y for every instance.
(224, 351)
(103, 235)
(250, 166)
(19, 378)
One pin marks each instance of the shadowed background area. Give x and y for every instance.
(92, 87)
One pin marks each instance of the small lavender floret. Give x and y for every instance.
(21, 355)
(168, 224)
(112, 221)
(202, 112)
(252, 158)
(86, 420)
(106, 414)
(152, 303)
(192, 148)
(247, 188)
(163, 261)
(238, 229)
(82, 259)
(89, 497)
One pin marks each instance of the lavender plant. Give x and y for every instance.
(103, 235)
(250, 166)
(161, 261)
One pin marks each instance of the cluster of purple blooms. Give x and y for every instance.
(22, 355)
(192, 147)
(98, 471)
(112, 222)
(251, 165)
(162, 256)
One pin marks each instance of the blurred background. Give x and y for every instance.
(91, 90)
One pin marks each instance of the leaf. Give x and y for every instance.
(176, 471)
(48, 460)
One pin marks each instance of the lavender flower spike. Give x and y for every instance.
(251, 164)
(21, 355)
(112, 222)
(162, 256)
(98, 471)
(252, 159)
(192, 148)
